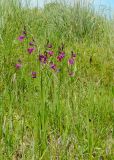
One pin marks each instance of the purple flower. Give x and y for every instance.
(21, 38)
(49, 45)
(52, 65)
(31, 43)
(33, 74)
(71, 61)
(42, 58)
(50, 53)
(18, 66)
(60, 56)
(30, 50)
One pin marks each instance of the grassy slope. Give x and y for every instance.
(56, 117)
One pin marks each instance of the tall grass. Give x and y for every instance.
(56, 116)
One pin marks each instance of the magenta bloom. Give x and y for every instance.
(30, 50)
(60, 56)
(71, 61)
(50, 53)
(42, 58)
(31, 43)
(33, 74)
(21, 38)
(18, 66)
(52, 65)
(49, 46)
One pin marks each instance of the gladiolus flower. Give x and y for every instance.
(50, 53)
(18, 66)
(43, 58)
(53, 66)
(31, 43)
(30, 50)
(21, 38)
(49, 45)
(33, 74)
(60, 56)
(71, 61)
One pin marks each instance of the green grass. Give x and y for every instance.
(56, 116)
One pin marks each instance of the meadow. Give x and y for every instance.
(56, 83)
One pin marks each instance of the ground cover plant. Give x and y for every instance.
(56, 83)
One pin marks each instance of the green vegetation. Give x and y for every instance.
(55, 115)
